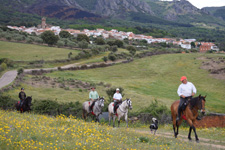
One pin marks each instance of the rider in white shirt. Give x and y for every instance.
(117, 97)
(186, 90)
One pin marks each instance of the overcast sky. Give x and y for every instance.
(206, 3)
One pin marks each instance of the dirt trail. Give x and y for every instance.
(203, 141)
(7, 78)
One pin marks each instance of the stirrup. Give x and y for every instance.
(178, 118)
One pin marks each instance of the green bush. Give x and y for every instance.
(6, 102)
(3, 66)
(60, 43)
(19, 71)
(112, 57)
(105, 59)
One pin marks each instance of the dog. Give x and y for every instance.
(154, 126)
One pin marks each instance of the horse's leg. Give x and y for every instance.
(196, 136)
(189, 135)
(109, 119)
(118, 121)
(126, 119)
(114, 118)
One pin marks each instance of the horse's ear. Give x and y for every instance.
(199, 96)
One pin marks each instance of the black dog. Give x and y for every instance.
(154, 125)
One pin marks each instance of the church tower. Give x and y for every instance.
(43, 23)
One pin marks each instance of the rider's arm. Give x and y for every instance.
(90, 96)
(19, 95)
(194, 91)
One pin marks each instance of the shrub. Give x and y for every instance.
(3, 66)
(20, 71)
(112, 57)
(8, 37)
(83, 44)
(60, 43)
(105, 59)
(6, 102)
(83, 37)
(49, 37)
(113, 48)
(71, 44)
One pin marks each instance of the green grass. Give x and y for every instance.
(144, 80)
(156, 77)
(30, 131)
(30, 52)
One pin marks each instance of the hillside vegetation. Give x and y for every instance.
(30, 131)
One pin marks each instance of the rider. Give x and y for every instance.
(117, 97)
(186, 90)
(22, 96)
(93, 96)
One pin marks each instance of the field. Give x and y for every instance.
(31, 52)
(144, 80)
(30, 131)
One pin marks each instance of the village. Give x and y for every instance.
(120, 35)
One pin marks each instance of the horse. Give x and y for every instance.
(190, 114)
(25, 106)
(121, 111)
(96, 111)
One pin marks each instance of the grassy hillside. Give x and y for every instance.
(29, 131)
(30, 52)
(144, 80)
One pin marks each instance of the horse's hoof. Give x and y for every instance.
(190, 140)
(197, 141)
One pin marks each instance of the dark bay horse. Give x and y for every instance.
(25, 106)
(190, 114)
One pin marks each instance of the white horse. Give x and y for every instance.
(120, 112)
(97, 108)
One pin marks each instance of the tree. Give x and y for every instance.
(113, 48)
(82, 37)
(83, 44)
(192, 44)
(118, 43)
(132, 50)
(49, 37)
(64, 34)
(100, 41)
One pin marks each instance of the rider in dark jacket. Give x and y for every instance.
(22, 96)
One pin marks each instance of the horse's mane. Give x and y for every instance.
(195, 101)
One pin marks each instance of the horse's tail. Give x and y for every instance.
(83, 114)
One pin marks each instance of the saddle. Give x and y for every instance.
(183, 107)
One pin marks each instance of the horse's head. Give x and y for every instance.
(129, 103)
(202, 103)
(28, 101)
(101, 101)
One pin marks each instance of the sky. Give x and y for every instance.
(206, 3)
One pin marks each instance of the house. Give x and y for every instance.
(185, 45)
(205, 46)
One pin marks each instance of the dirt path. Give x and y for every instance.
(203, 141)
(7, 78)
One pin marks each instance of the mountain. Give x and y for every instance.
(177, 17)
(216, 11)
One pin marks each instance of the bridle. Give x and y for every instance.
(128, 104)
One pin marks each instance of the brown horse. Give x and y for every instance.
(190, 114)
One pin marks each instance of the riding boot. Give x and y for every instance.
(198, 118)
